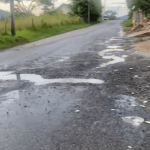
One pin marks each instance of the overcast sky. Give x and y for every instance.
(110, 5)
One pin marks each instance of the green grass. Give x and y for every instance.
(35, 28)
(9, 41)
(48, 32)
(128, 23)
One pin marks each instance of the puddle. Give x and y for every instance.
(103, 65)
(148, 122)
(110, 50)
(5, 73)
(114, 47)
(63, 59)
(143, 106)
(144, 102)
(134, 120)
(38, 80)
(106, 42)
(115, 39)
(121, 33)
(124, 56)
(115, 59)
(129, 147)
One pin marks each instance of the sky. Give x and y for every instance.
(116, 5)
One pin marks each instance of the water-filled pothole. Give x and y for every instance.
(115, 39)
(134, 120)
(114, 47)
(114, 59)
(39, 80)
(110, 50)
(63, 59)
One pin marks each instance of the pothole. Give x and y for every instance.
(114, 59)
(39, 80)
(114, 47)
(110, 50)
(63, 59)
(134, 120)
(115, 39)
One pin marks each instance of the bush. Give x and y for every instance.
(81, 8)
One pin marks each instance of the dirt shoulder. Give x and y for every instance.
(143, 46)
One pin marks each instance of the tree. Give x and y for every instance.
(26, 7)
(111, 14)
(143, 5)
(130, 13)
(81, 8)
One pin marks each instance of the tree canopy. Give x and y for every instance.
(25, 7)
(144, 5)
(80, 8)
(112, 15)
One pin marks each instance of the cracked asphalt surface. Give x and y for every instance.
(72, 115)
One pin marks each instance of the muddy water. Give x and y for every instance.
(39, 80)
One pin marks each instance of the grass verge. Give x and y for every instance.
(26, 36)
(128, 24)
(9, 41)
(33, 28)
(48, 32)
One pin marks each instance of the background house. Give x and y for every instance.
(62, 9)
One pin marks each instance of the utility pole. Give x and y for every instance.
(118, 12)
(104, 6)
(89, 12)
(12, 17)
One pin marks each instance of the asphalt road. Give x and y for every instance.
(83, 90)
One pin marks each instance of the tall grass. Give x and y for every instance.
(37, 23)
(128, 23)
(34, 28)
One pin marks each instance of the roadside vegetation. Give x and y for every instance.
(128, 24)
(31, 28)
(134, 5)
(35, 28)
(83, 7)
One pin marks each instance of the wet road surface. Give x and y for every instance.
(83, 90)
